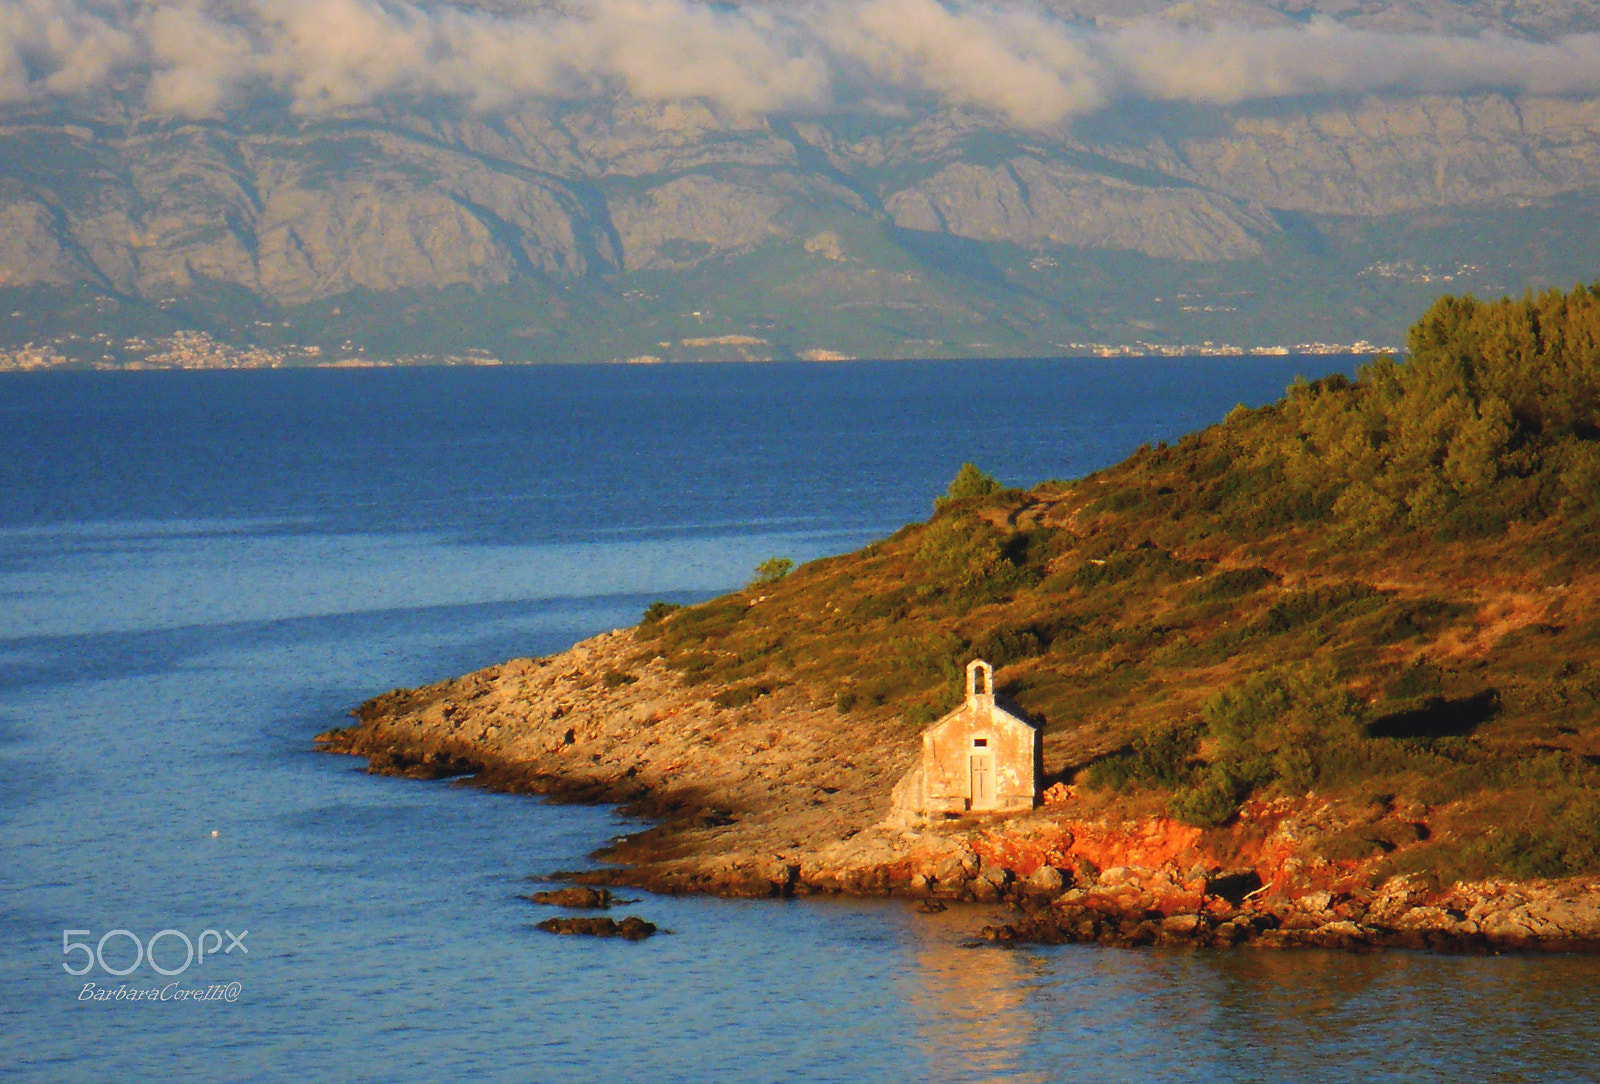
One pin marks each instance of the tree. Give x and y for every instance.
(969, 482)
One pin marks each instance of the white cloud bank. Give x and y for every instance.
(805, 56)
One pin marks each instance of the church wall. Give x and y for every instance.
(947, 752)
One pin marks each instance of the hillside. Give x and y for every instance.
(1344, 641)
(1384, 591)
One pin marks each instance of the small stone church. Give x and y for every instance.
(979, 758)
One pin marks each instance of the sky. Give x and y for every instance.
(1027, 67)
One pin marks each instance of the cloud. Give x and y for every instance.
(52, 49)
(1231, 64)
(193, 60)
(1035, 70)
(1014, 61)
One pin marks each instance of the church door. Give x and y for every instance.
(982, 781)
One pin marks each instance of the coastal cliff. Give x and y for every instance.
(1325, 673)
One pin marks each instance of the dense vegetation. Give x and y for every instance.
(1381, 591)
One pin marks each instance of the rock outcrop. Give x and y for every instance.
(1035, 203)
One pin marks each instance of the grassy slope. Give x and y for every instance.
(1383, 592)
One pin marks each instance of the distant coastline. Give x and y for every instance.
(199, 350)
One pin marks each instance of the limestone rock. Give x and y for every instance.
(34, 247)
(1046, 880)
(998, 876)
(1181, 926)
(687, 219)
(1031, 202)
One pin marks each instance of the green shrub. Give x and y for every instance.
(968, 483)
(970, 562)
(1354, 845)
(1237, 715)
(1560, 837)
(1159, 758)
(657, 612)
(1121, 499)
(771, 571)
(1410, 621)
(1471, 433)
(1294, 727)
(1420, 679)
(695, 666)
(1299, 608)
(879, 689)
(1212, 800)
(892, 605)
(707, 621)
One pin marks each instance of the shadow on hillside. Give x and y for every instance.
(1439, 718)
(1077, 762)
(949, 255)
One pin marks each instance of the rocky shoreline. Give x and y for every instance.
(1402, 914)
(784, 796)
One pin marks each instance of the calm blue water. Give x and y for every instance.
(198, 572)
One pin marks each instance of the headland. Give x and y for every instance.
(1325, 674)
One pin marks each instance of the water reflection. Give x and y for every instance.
(971, 1005)
(1406, 1016)
(1083, 1012)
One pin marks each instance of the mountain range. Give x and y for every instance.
(615, 224)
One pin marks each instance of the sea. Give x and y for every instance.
(199, 571)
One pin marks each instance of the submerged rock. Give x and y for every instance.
(585, 898)
(631, 928)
